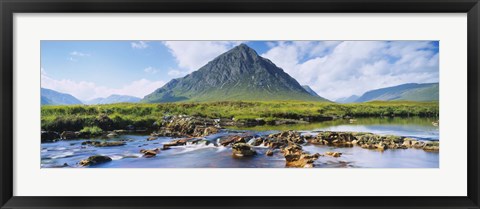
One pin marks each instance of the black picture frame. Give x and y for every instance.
(10, 7)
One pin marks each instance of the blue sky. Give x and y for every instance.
(334, 69)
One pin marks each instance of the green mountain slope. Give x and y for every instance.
(51, 97)
(238, 74)
(404, 92)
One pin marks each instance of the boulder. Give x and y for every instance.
(242, 149)
(68, 135)
(269, 152)
(276, 143)
(431, 147)
(333, 154)
(257, 141)
(180, 142)
(186, 126)
(173, 143)
(49, 136)
(381, 146)
(199, 141)
(112, 134)
(295, 157)
(95, 160)
(87, 142)
(151, 138)
(290, 136)
(407, 143)
(418, 144)
(150, 153)
(369, 146)
(107, 143)
(338, 139)
(233, 139)
(210, 130)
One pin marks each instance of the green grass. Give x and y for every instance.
(91, 130)
(118, 116)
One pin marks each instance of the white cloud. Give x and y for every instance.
(139, 44)
(88, 90)
(75, 55)
(79, 54)
(191, 55)
(150, 70)
(340, 69)
(176, 73)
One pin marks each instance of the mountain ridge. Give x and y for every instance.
(238, 74)
(403, 92)
(114, 98)
(349, 99)
(52, 97)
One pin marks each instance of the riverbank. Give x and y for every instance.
(150, 116)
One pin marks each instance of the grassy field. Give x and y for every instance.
(119, 116)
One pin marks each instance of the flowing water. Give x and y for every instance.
(66, 154)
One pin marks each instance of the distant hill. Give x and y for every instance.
(310, 90)
(51, 97)
(114, 98)
(349, 99)
(238, 74)
(404, 92)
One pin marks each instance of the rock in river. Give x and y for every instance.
(112, 134)
(186, 126)
(149, 153)
(104, 144)
(180, 142)
(242, 149)
(289, 136)
(258, 141)
(269, 152)
(95, 160)
(333, 154)
(295, 157)
(431, 147)
(233, 139)
(151, 138)
(68, 135)
(49, 136)
(210, 130)
(339, 139)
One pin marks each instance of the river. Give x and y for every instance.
(67, 154)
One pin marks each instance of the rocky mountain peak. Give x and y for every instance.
(238, 74)
(240, 53)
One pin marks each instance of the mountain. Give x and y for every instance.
(405, 92)
(310, 90)
(238, 74)
(51, 97)
(349, 99)
(114, 98)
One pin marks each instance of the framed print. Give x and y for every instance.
(195, 104)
